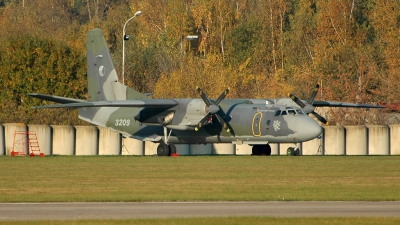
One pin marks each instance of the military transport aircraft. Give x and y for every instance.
(256, 122)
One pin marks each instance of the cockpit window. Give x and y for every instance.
(284, 113)
(300, 111)
(278, 112)
(291, 112)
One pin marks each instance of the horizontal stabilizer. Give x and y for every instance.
(147, 103)
(343, 104)
(57, 99)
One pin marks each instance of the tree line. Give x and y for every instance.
(258, 48)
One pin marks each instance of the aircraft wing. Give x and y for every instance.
(343, 104)
(77, 103)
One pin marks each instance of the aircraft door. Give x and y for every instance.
(256, 124)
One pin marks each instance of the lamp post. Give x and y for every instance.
(125, 38)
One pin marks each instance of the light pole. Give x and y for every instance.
(125, 38)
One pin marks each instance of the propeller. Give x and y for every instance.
(212, 110)
(308, 105)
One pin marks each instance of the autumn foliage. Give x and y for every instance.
(258, 48)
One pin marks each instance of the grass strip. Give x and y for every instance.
(223, 221)
(199, 178)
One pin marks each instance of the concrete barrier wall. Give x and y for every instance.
(394, 139)
(87, 139)
(182, 149)
(90, 140)
(356, 140)
(2, 142)
(132, 146)
(313, 147)
(334, 140)
(150, 148)
(43, 132)
(63, 142)
(378, 140)
(9, 131)
(222, 149)
(200, 149)
(109, 142)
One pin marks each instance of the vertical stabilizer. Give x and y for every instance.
(100, 69)
(102, 78)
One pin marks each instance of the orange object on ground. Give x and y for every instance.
(25, 141)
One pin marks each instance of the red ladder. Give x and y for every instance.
(20, 146)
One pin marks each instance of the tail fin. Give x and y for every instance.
(102, 78)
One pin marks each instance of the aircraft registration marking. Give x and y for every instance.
(122, 122)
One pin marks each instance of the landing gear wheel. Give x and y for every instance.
(261, 149)
(172, 149)
(256, 150)
(163, 149)
(267, 149)
(290, 151)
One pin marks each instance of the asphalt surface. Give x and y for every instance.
(132, 210)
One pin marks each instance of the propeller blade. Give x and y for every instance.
(202, 121)
(297, 100)
(222, 96)
(203, 96)
(213, 109)
(224, 124)
(320, 118)
(314, 94)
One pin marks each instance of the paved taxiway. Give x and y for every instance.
(131, 210)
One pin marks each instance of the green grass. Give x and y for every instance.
(226, 221)
(199, 178)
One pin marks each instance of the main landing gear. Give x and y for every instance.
(261, 150)
(165, 148)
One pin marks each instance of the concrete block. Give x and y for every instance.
(182, 149)
(63, 140)
(2, 141)
(9, 131)
(378, 140)
(222, 149)
(87, 140)
(200, 149)
(109, 142)
(356, 140)
(150, 148)
(243, 149)
(312, 147)
(334, 140)
(132, 146)
(394, 139)
(43, 135)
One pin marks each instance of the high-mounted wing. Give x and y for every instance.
(344, 104)
(310, 105)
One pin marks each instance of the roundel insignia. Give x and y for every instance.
(101, 71)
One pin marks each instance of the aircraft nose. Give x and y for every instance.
(308, 129)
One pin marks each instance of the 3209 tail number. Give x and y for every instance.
(122, 122)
